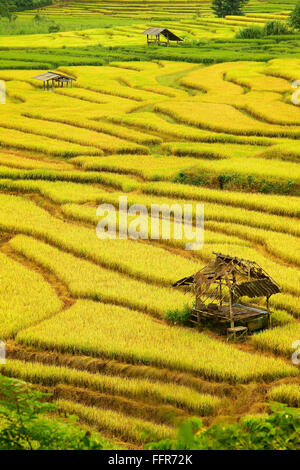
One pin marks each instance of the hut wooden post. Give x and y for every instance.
(220, 292)
(199, 320)
(230, 302)
(269, 314)
(231, 309)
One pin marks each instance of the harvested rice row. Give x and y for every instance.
(141, 389)
(128, 428)
(285, 393)
(155, 344)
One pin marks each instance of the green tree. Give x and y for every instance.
(4, 9)
(294, 18)
(222, 8)
(23, 425)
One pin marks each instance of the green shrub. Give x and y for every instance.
(252, 32)
(54, 28)
(278, 431)
(271, 28)
(23, 425)
(275, 28)
(179, 317)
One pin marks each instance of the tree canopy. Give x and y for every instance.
(222, 8)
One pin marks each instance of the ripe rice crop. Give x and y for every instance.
(142, 261)
(217, 151)
(210, 79)
(112, 81)
(207, 116)
(278, 340)
(65, 132)
(87, 280)
(115, 423)
(284, 152)
(157, 132)
(156, 343)
(99, 125)
(24, 141)
(144, 389)
(273, 112)
(148, 167)
(217, 212)
(26, 298)
(124, 133)
(156, 123)
(273, 204)
(235, 222)
(58, 191)
(288, 69)
(280, 318)
(285, 393)
(259, 171)
(17, 161)
(88, 214)
(124, 182)
(283, 246)
(79, 240)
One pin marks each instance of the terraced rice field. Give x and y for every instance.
(125, 21)
(87, 318)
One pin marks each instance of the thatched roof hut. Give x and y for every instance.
(154, 36)
(220, 284)
(56, 78)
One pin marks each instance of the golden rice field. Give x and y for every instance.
(87, 318)
(191, 21)
(288, 394)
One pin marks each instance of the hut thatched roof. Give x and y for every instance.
(45, 77)
(246, 277)
(164, 31)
